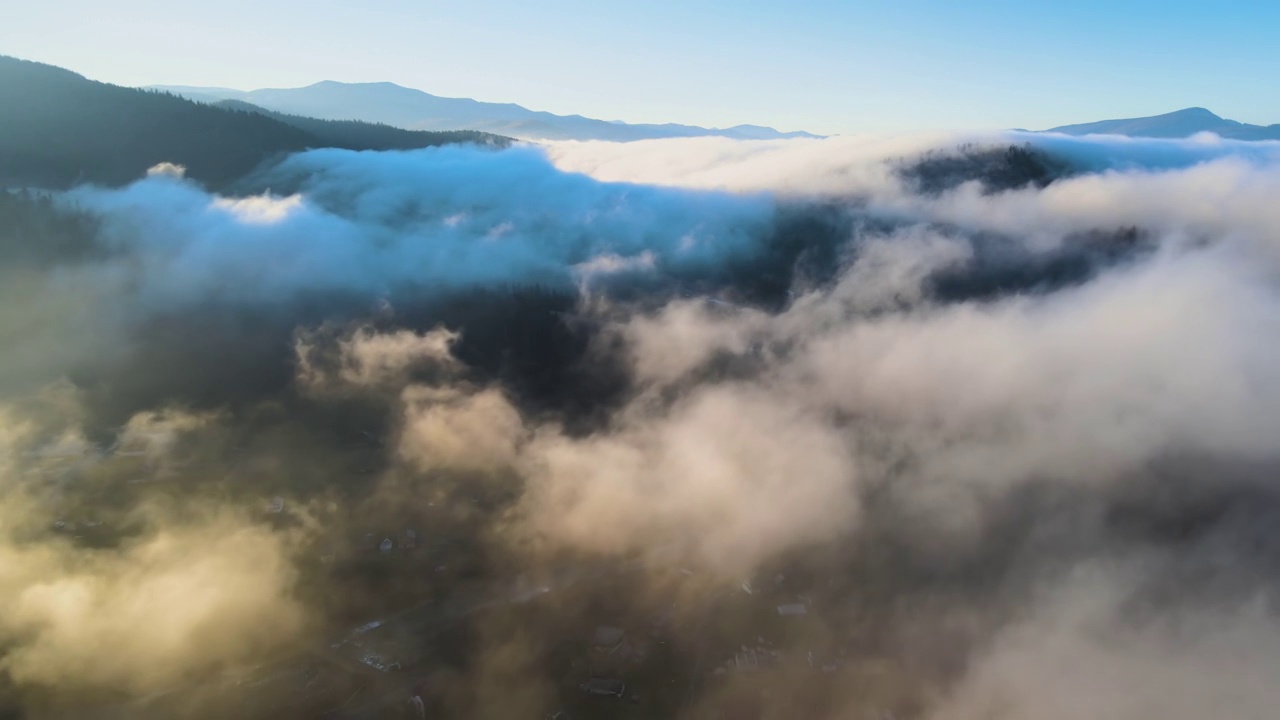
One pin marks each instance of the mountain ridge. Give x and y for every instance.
(1177, 124)
(399, 106)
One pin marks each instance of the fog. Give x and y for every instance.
(1000, 412)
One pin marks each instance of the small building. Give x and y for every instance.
(627, 652)
(387, 545)
(747, 660)
(751, 659)
(380, 662)
(604, 687)
(827, 662)
(792, 609)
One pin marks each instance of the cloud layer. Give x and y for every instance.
(1015, 390)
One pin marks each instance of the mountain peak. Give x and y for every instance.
(1196, 112)
(1177, 124)
(339, 84)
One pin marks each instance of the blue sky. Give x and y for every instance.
(832, 67)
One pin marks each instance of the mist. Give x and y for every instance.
(998, 412)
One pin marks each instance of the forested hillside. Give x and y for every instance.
(58, 129)
(359, 135)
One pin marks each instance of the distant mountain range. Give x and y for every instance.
(1183, 123)
(404, 107)
(58, 129)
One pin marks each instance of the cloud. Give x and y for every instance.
(1173, 186)
(180, 591)
(367, 358)
(445, 428)
(164, 609)
(728, 474)
(167, 169)
(1078, 655)
(951, 407)
(154, 433)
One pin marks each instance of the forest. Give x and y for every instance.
(59, 129)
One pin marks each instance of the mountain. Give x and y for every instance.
(1182, 123)
(360, 135)
(416, 110)
(58, 128)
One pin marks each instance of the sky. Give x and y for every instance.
(818, 65)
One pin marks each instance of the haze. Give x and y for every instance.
(826, 67)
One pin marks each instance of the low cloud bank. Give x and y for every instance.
(1016, 390)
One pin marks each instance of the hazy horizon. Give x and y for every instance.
(824, 67)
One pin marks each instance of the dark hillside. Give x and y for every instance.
(59, 129)
(360, 135)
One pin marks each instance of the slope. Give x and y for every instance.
(359, 135)
(58, 128)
